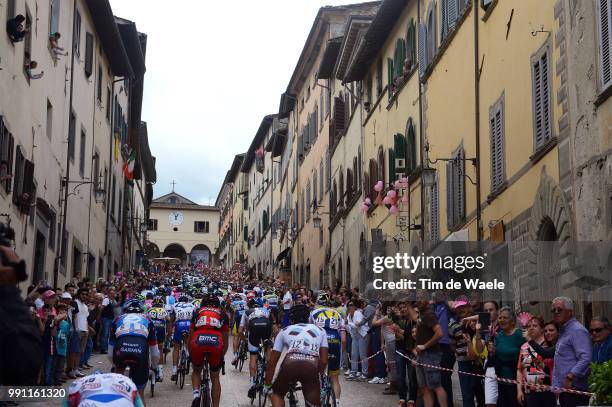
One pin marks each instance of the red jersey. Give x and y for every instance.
(210, 318)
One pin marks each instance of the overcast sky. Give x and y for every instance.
(214, 69)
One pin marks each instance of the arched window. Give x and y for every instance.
(431, 32)
(411, 44)
(411, 147)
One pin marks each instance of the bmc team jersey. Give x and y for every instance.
(209, 319)
(101, 390)
(133, 325)
(305, 339)
(327, 319)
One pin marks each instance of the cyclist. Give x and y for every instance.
(238, 306)
(161, 320)
(181, 318)
(103, 389)
(208, 334)
(271, 302)
(306, 357)
(131, 341)
(330, 320)
(257, 323)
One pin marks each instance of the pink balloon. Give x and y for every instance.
(398, 184)
(365, 207)
(378, 187)
(392, 193)
(394, 210)
(387, 200)
(368, 201)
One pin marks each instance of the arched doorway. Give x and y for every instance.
(176, 251)
(151, 250)
(200, 254)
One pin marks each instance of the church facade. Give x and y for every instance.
(183, 229)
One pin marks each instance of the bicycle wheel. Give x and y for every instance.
(262, 398)
(241, 359)
(205, 399)
(152, 387)
(330, 398)
(181, 372)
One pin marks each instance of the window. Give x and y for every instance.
(6, 155)
(113, 196)
(397, 158)
(379, 78)
(71, 135)
(399, 58)
(496, 130)
(321, 180)
(449, 10)
(327, 169)
(423, 59)
(10, 9)
(431, 32)
(96, 171)
(108, 103)
(542, 123)
(27, 44)
(604, 18)
(88, 54)
(322, 113)
(381, 164)
(52, 223)
(77, 34)
(369, 92)
(328, 93)
(200, 226)
(54, 15)
(49, 120)
(455, 189)
(411, 148)
(308, 200)
(411, 45)
(434, 213)
(83, 146)
(302, 206)
(390, 81)
(100, 80)
(23, 182)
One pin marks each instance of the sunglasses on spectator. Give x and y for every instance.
(557, 310)
(595, 330)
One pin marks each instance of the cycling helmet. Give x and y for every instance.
(299, 314)
(323, 299)
(183, 298)
(149, 296)
(210, 300)
(252, 303)
(236, 297)
(133, 307)
(158, 302)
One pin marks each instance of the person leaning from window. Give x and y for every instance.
(15, 28)
(20, 340)
(54, 44)
(29, 67)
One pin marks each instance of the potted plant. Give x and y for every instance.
(600, 383)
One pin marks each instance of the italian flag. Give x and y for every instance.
(128, 166)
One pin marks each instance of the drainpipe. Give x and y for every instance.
(62, 249)
(421, 147)
(477, 123)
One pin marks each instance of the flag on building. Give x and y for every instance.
(128, 166)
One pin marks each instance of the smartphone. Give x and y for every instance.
(484, 319)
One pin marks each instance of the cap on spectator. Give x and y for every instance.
(66, 295)
(460, 302)
(48, 294)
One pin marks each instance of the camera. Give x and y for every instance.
(7, 236)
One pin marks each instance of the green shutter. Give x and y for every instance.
(389, 73)
(391, 165)
(411, 150)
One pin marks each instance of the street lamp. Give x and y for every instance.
(428, 175)
(144, 227)
(99, 191)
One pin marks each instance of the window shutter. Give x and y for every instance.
(453, 13)
(399, 144)
(88, 54)
(373, 178)
(339, 117)
(321, 180)
(389, 74)
(381, 164)
(366, 184)
(422, 49)
(444, 18)
(27, 193)
(450, 193)
(605, 39)
(497, 148)
(391, 165)
(431, 32)
(541, 100)
(435, 214)
(411, 158)
(460, 185)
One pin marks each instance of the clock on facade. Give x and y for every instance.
(175, 218)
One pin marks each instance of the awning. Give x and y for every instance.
(284, 254)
